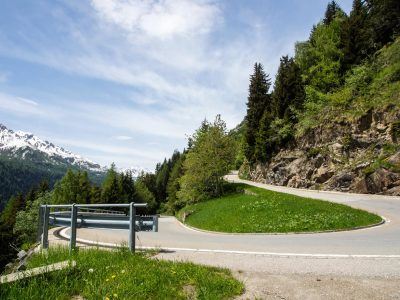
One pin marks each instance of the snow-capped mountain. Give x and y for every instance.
(27, 146)
(19, 144)
(136, 170)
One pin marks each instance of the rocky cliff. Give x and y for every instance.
(361, 156)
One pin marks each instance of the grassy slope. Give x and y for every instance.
(121, 275)
(373, 85)
(260, 210)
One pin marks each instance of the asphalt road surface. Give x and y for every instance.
(379, 241)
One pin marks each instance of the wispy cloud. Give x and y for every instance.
(109, 152)
(123, 137)
(28, 101)
(19, 105)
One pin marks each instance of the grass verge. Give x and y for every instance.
(102, 274)
(255, 210)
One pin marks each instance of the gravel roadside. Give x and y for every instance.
(268, 277)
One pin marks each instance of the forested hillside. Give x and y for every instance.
(332, 118)
(18, 176)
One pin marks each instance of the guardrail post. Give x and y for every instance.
(40, 224)
(74, 215)
(132, 216)
(45, 230)
(155, 223)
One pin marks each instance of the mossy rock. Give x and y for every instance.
(395, 131)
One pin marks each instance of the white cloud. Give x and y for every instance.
(28, 101)
(18, 105)
(105, 153)
(160, 19)
(123, 137)
(134, 121)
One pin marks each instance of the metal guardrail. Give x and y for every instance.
(101, 220)
(97, 210)
(90, 216)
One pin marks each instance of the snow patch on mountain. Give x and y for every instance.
(136, 170)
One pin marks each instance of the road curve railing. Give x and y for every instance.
(94, 216)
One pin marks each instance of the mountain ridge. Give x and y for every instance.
(20, 142)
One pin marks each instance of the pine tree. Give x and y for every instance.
(127, 187)
(258, 102)
(263, 150)
(331, 12)
(31, 195)
(67, 189)
(111, 191)
(44, 186)
(162, 180)
(288, 94)
(144, 195)
(149, 180)
(355, 37)
(84, 188)
(383, 21)
(173, 185)
(95, 194)
(174, 158)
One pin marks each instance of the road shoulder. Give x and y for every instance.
(305, 278)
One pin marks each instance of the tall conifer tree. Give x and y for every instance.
(263, 149)
(111, 191)
(162, 177)
(127, 187)
(331, 10)
(258, 102)
(356, 37)
(384, 21)
(84, 188)
(288, 92)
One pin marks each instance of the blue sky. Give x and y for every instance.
(126, 81)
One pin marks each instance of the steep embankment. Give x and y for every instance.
(362, 156)
(347, 139)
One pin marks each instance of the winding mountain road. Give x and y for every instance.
(380, 241)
